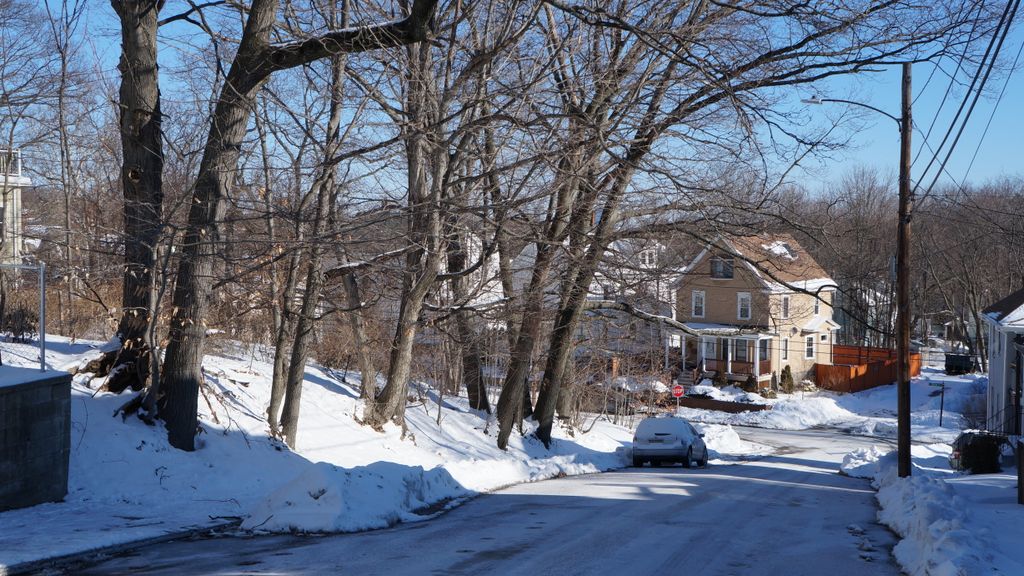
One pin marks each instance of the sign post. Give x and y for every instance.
(942, 398)
(678, 391)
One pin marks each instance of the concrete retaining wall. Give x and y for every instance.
(35, 436)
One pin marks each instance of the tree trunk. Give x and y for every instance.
(368, 378)
(141, 180)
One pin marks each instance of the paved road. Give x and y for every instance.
(787, 514)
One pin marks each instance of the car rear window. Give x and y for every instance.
(652, 426)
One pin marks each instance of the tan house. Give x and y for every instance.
(12, 181)
(759, 303)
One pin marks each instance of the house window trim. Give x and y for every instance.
(785, 349)
(739, 306)
(693, 304)
(784, 307)
(809, 346)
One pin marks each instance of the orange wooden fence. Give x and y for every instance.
(857, 368)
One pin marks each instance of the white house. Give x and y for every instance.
(1005, 321)
(12, 181)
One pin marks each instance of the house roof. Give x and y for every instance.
(1009, 311)
(778, 260)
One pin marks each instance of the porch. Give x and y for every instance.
(735, 354)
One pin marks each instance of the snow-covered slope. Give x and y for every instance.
(126, 483)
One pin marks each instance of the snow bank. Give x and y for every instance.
(786, 414)
(943, 533)
(723, 441)
(326, 498)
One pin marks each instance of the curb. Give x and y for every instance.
(62, 561)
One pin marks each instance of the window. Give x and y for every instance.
(817, 306)
(697, 304)
(648, 258)
(785, 348)
(708, 349)
(739, 350)
(809, 347)
(785, 306)
(721, 267)
(743, 306)
(824, 337)
(763, 354)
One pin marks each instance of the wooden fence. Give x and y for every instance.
(857, 368)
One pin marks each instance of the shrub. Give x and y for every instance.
(719, 379)
(750, 384)
(21, 323)
(786, 381)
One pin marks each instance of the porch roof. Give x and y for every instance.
(731, 330)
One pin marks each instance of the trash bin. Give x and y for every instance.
(978, 452)
(959, 364)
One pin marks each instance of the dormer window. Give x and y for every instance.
(721, 267)
(648, 258)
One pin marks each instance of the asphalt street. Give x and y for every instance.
(787, 514)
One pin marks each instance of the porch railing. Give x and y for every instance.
(739, 367)
(10, 162)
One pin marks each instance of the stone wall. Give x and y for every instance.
(35, 436)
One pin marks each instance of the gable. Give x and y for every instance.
(1009, 311)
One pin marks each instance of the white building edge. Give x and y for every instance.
(12, 182)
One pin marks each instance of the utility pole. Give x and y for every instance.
(903, 288)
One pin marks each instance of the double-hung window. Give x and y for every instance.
(785, 306)
(785, 348)
(697, 304)
(743, 306)
(809, 347)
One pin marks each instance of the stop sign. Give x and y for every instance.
(677, 390)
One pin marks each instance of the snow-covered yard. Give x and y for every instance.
(127, 484)
(871, 413)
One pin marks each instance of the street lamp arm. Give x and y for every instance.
(898, 122)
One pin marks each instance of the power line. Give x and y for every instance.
(999, 35)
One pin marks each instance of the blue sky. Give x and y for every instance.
(874, 139)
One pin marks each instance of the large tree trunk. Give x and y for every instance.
(423, 153)
(141, 181)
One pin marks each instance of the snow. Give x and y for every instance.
(950, 523)
(870, 413)
(127, 484)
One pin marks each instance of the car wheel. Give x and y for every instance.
(704, 461)
(689, 457)
(637, 462)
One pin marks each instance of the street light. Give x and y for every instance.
(905, 123)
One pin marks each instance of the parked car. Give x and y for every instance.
(977, 452)
(668, 439)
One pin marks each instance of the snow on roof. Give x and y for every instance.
(780, 248)
(816, 324)
(1009, 311)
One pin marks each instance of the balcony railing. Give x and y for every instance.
(10, 162)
